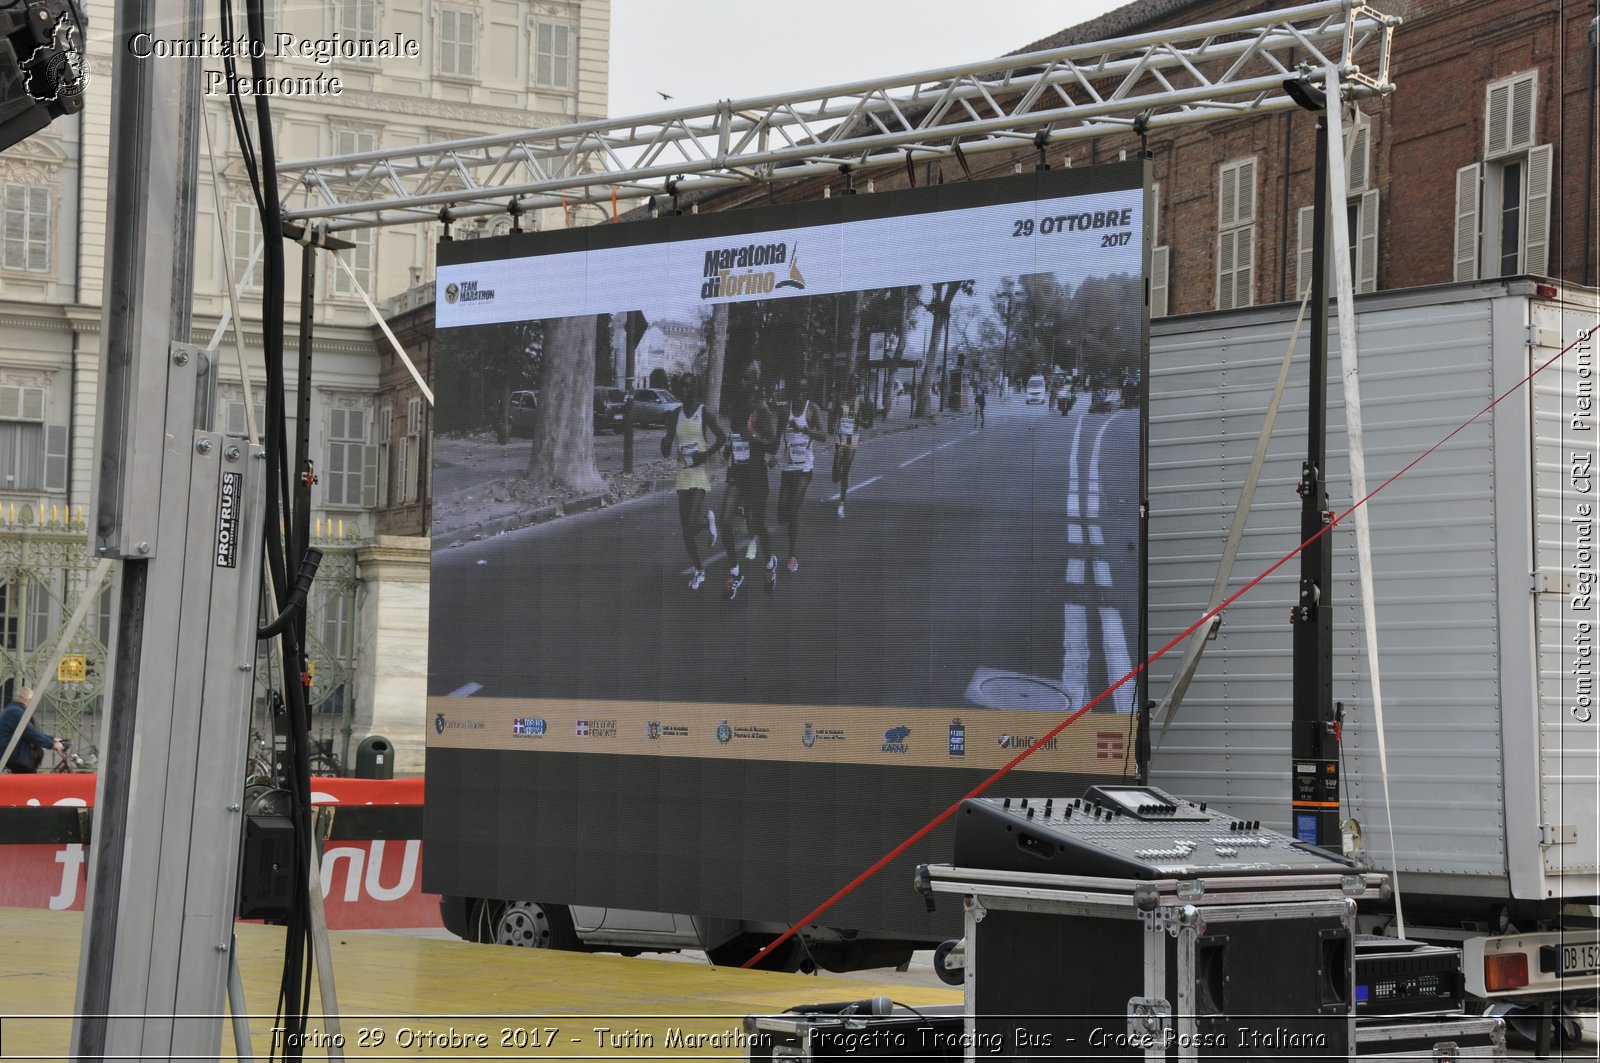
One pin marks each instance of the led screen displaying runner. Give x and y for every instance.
(832, 509)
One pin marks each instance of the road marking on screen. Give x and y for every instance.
(1075, 658)
(919, 457)
(856, 487)
(1102, 574)
(1075, 534)
(1115, 644)
(465, 691)
(1075, 570)
(1096, 536)
(1072, 501)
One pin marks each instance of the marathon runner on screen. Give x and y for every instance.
(752, 440)
(692, 438)
(802, 427)
(846, 437)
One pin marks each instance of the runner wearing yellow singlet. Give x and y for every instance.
(691, 438)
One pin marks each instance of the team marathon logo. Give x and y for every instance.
(467, 292)
(751, 270)
(894, 740)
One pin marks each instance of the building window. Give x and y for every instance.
(361, 257)
(1509, 115)
(234, 423)
(458, 43)
(247, 246)
(349, 476)
(552, 64)
(385, 432)
(360, 261)
(411, 452)
(27, 228)
(358, 20)
(33, 455)
(1236, 234)
(1361, 217)
(1503, 203)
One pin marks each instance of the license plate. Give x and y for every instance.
(1580, 959)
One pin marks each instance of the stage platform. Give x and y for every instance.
(448, 1000)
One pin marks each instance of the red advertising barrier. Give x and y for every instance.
(365, 884)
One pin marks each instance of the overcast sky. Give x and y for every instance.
(701, 51)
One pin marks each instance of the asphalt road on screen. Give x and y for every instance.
(1009, 550)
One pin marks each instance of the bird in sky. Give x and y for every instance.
(663, 95)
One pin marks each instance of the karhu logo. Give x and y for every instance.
(735, 271)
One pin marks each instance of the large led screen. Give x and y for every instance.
(629, 711)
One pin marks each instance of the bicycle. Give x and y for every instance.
(69, 762)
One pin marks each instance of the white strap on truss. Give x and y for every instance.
(1358, 461)
(232, 313)
(1179, 686)
(427, 392)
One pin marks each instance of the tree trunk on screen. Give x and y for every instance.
(944, 294)
(563, 438)
(716, 356)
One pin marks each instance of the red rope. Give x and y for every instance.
(933, 823)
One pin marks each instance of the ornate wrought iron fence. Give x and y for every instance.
(45, 562)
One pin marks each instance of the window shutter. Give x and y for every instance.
(1536, 242)
(1495, 132)
(1468, 179)
(1247, 192)
(1305, 243)
(1244, 262)
(1357, 174)
(55, 458)
(10, 402)
(1519, 131)
(1228, 198)
(1366, 278)
(1225, 270)
(1509, 115)
(1159, 281)
(33, 404)
(369, 475)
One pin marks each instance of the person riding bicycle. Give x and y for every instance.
(25, 759)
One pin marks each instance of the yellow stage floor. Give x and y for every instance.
(413, 994)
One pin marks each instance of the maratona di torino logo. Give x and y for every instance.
(747, 270)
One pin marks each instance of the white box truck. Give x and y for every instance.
(1483, 562)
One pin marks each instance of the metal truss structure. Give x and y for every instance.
(1152, 81)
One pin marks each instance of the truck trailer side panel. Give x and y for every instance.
(1473, 745)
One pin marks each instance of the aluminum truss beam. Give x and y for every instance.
(1145, 83)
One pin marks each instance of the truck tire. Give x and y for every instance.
(526, 924)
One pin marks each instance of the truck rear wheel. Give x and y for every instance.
(527, 924)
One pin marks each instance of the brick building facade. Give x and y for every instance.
(1456, 64)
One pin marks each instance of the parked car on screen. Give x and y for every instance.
(524, 412)
(609, 404)
(1036, 390)
(651, 406)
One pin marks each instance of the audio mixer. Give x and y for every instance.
(1126, 832)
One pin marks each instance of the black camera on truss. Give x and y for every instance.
(41, 67)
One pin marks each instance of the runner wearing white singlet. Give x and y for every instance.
(802, 428)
